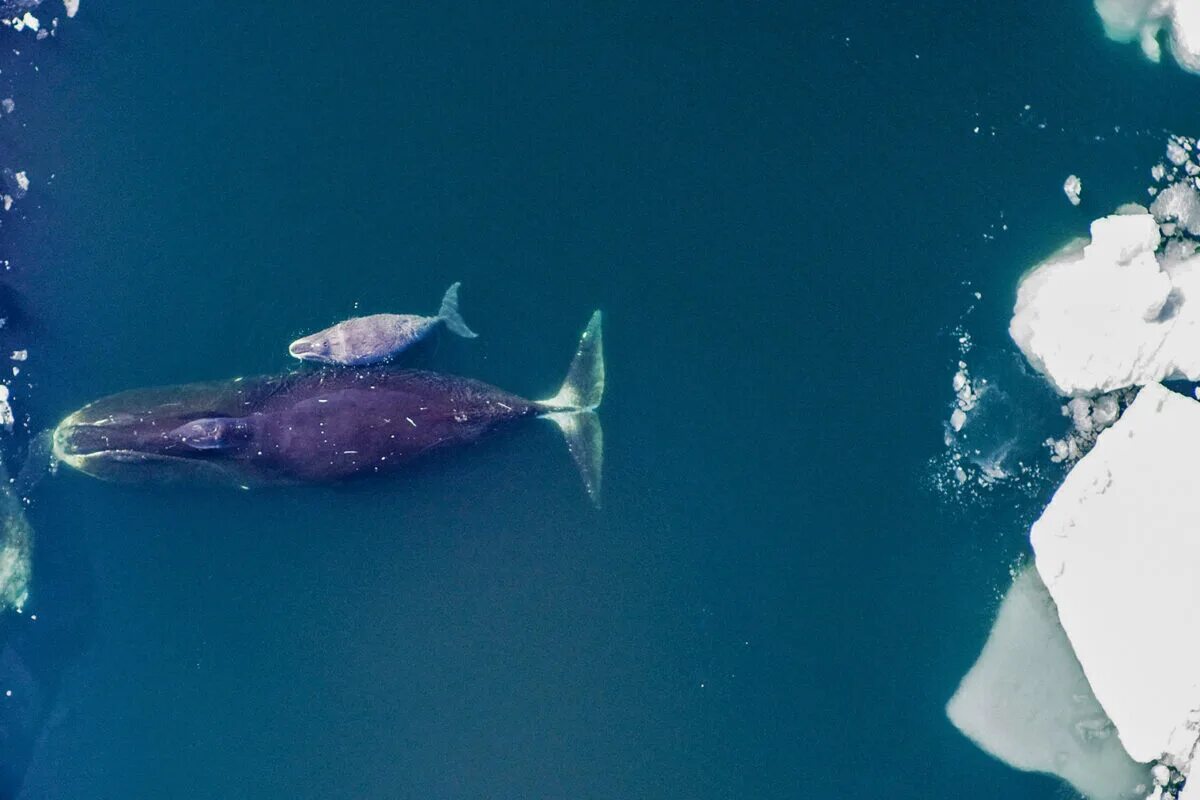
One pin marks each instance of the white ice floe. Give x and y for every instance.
(1117, 549)
(1113, 313)
(1072, 188)
(72, 7)
(1026, 701)
(1144, 20)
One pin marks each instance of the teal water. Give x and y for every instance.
(783, 213)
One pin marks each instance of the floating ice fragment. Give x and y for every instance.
(1175, 153)
(1073, 187)
(1026, 701)
(72, 7)
(16, 183)
(27, 21)
(1117, 551)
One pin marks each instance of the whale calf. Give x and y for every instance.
(321, 425)
(372, 339)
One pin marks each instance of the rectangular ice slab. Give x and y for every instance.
(1119, 549)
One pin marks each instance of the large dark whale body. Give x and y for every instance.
(319, 426)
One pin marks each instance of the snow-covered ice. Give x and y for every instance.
(1026, 701)
(1117, 549)
(1105, 315)
(1144, 20)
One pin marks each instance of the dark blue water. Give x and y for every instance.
(783, 212)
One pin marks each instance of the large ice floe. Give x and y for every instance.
(1117, 549)
(1145, 20)
(1116, 311)
(1026, 702)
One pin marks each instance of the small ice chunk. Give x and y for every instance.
(1026, 701)
(72, 7)
(16, 183)
(1175, 152)
(6, 413)
(1117, 551)
(958, 419)
(1158, 172)
(27, 21)
(20, 355)
(8, 105)
(1073, 187)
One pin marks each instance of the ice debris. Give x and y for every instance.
(6, 413)
(1073, 187)
(72, 7)
(1089, 417)
(966, 396)
(1179, 207)
(1027, 702)
(1117, 551)
(1145, 20)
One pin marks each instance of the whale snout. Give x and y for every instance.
(308, 349)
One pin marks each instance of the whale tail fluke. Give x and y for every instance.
(448, 313)
(573, 409)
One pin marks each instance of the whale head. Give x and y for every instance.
(316, 347)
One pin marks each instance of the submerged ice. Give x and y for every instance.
(1026, 702)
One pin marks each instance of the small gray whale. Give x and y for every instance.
(360, 341)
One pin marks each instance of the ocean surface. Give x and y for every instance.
(785, 212)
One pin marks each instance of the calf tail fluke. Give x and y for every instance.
(573, 409)
(448, 313)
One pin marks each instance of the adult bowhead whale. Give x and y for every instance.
(320, 426)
